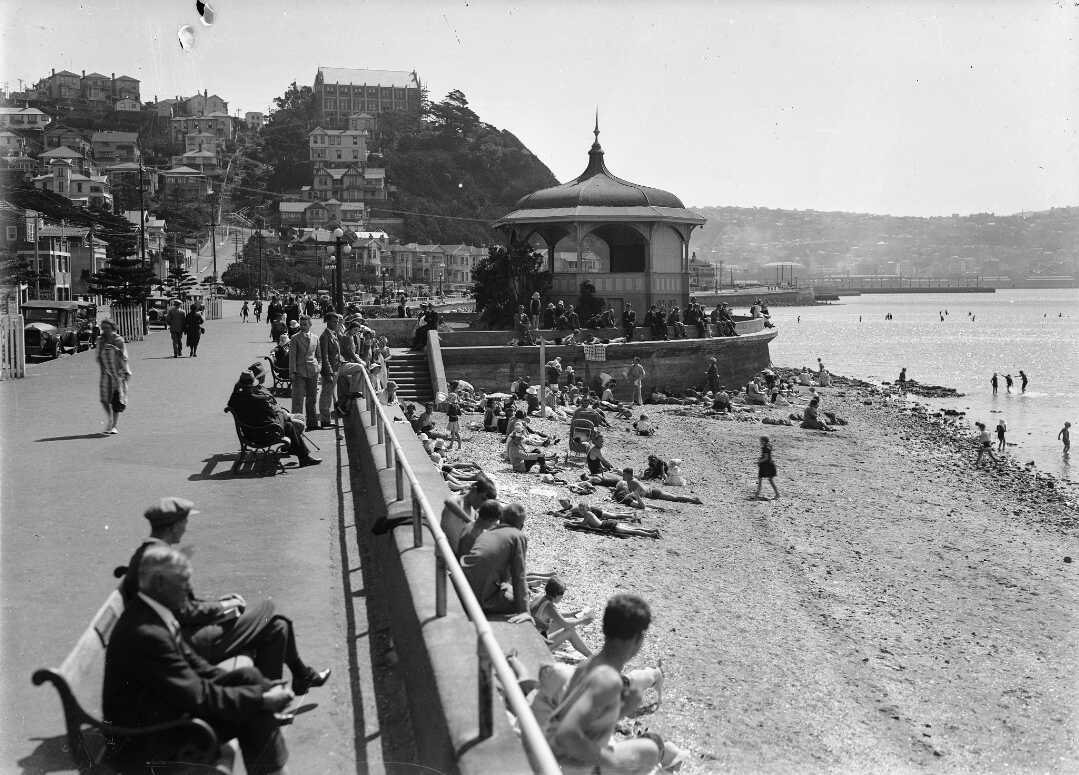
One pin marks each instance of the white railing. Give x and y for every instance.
(213, 308)
(12, 347)
(488, 653)
(129, 321)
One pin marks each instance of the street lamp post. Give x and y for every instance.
(385, 272)
(341, 247)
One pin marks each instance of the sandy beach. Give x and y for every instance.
(894, 611)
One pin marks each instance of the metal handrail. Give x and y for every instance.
(489, 653)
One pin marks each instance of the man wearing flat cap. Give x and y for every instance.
(252, 404)
(220, 629)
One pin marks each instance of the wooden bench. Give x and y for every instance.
(78, 681)
(261, 441)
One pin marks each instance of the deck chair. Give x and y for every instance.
(282, 378)
(581, 432)
(262, 441)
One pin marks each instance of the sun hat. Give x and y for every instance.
(246, 378)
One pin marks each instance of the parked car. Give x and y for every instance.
(156, 309)
(55, 327)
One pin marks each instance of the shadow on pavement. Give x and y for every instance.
(95, 435)
(250, 467)
(50, 756)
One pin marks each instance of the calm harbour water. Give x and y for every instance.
(1011, 330)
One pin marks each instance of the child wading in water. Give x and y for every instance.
(766, 469)
(1066, 436)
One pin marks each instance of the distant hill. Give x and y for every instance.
(452, 164)
(1027, 243)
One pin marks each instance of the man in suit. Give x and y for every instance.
(303, 366)
(223, 628)
(152, 676)
(175, 320)
(329, 359)
(252, 404)
(629, 321)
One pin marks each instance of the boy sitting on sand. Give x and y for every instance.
(644, 426)
(555, 628)
(581, 728)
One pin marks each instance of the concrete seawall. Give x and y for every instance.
(437, 655)
(674, 365)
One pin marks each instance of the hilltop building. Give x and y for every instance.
(23, 118)
(630, 241)
(94, 89)
(341, 92)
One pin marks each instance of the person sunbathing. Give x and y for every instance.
(594, 458)
(556, 628)
(595, 518)
(722, 402)
(631, 492)
(644, 426)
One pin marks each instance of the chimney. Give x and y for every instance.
(83, 73)
(54, 71)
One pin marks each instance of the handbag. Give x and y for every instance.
(117, 403)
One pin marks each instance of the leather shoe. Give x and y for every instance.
(309, 678)
(310, 460)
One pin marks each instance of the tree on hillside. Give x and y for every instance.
(506, 278)
(283, 144)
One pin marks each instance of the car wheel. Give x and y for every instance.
(57, 349)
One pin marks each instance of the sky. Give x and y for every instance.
(908, 108)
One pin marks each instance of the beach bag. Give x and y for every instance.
(117, 402)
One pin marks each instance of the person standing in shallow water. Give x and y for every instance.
(766, 469)
(995, 382)
(1066, 436)
(1008, 382)
(1002, 430)
(1023, 380)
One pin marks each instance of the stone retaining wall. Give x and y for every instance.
(675, 365)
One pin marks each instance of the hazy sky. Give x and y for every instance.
(921, 108)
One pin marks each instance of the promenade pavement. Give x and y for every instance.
(72, 503)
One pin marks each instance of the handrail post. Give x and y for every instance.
(380, 428)
(486, 720)
(417, 522)
(391, 462)
(440, 584)
(399, 476)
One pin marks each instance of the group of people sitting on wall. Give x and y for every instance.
(662, 320)
(169, 658)
(577, 706)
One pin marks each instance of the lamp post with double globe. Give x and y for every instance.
(340, 248)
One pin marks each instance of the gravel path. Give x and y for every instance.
(894, 611)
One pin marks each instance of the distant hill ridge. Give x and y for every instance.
(1044, 242)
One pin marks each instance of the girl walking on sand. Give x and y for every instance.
(766, 469)
(985, 444)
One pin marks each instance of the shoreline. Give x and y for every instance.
(796, 633)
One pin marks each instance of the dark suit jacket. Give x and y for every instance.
(256, 406)
(196, 613)
(152, 676)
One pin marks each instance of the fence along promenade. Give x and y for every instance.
(12, 347)
(489, 654)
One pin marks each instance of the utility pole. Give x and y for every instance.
(142, 216)
(259, 232)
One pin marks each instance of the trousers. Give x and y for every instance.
(177, 342)
(304, 395)
(326, 396)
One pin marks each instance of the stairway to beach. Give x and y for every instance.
(412, 375)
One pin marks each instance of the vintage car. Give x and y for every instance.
(55, 327)
(156, 309)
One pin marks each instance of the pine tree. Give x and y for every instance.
(506, 279)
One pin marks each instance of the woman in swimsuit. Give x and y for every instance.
(594, 458)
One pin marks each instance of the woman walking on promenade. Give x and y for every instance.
(985, 444)
(766, 469)
(244, 312)
(115, 372)
(193, 327)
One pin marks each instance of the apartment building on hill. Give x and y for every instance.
(341, 92)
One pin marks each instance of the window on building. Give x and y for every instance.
(12, 233)
(338, 154)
